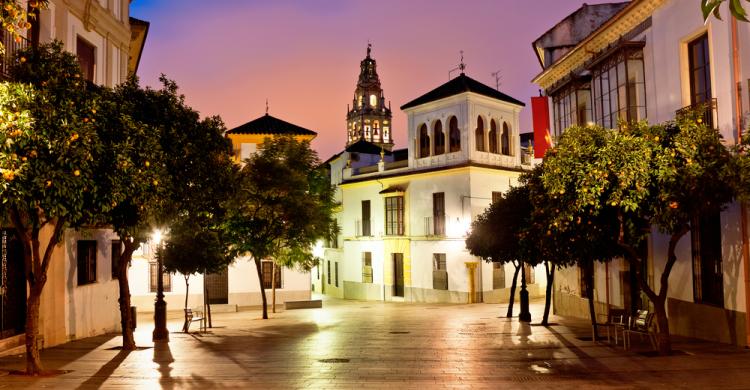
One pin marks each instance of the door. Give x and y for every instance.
(13, 298)
(398, 274)
(217, 287)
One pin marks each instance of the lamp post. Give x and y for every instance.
(160, 306)
(524, 315)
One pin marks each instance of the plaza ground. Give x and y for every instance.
(354, 344)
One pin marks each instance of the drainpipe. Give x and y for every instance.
(743, 205)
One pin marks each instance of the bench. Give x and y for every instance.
(642, 325)
(192, 316)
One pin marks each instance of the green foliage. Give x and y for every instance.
(15, 16)
(191, 249)
(711, 7)
(283, 205)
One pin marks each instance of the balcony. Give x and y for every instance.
(362, 228)
(9, 56)
(706, 111)
(434, 225)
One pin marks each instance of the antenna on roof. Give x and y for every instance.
(461, 66)
(266, 106)
(498, 76)
(369, 48)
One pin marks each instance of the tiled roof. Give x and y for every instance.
(268, 124)
(461, 84)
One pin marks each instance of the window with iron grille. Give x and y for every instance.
(336, 267)
(708, 276)
(394, 216)
(439, 272)
(366, 267)
(268, 269)
(496, 196)
(86, 53)
(115, 257)
(366, 218)
(618, 87)
(86, 262)
(438, 213)
(153, 271)
(328, 275)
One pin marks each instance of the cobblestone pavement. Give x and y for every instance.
(354, 345)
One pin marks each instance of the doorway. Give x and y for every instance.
(398, 274)
(13, 298)
(217, 287)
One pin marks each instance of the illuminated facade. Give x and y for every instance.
(369, 118)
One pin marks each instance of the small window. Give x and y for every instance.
(708, 276)
(493, 137)
(454, 135)
(115, 257)
(336, 267)
(528, 272)
(439, 137)
(438, 213)
(86, 262)
(373, 101)
(479, 134)
(267, 267)
(328, 275)
(496, 196)
(582, 282)
(424, 142)
(366, 231)
(366, 267)
(394, 216)
(505, 140)
(154, 275)
(439, 272)
(498, 275)
(86, 53)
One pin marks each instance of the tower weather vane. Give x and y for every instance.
(266, 106)
(461, 66)
(369, 48)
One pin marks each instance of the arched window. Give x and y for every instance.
(376, 131)
(373, 101)
(493, 137)
(439, 138)
(424, 142)
(454, 135)
(479, 134)
(505, 140)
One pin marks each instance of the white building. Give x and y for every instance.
(645, 60)
(405, 214)
(108, 44)
(238, 286)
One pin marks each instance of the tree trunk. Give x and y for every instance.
(126, 322)
(33, 360)
(208, 303)
(262, 290)
(187, 289)
(662, 333)
(513, 290)
(588, 272)
(273, 287)
(550, 272)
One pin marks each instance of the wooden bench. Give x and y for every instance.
(192, 316)
(642, 325)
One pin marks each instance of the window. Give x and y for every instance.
(700, 70)
(438, 213)
(572, 106)
(493, 137)
(454, 135)
(479, 134)
(439, 272)
(496, 196)
(386, 134)
(394, 216)
(336, 266)
(373, 101)
(328, 275)
(582, 282)
(115, 257)
(366, 267)
(86, 262)
(618, 87)
(498, 275)
(366, 218)
(153, 272)
(505, 140)
(439, 137)
(708, 281)
(424, 142)
(318, 267)
(359, 101)
(267, 268)
(528, 273)
(376, 136)
(86, 53)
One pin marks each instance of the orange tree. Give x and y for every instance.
(712, 7)
(48, 147)
(663, 176)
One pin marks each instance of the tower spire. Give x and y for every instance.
(266, 106)
(369, 48)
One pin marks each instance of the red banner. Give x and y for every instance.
(540, 115)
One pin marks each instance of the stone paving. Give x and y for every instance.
(354, 344)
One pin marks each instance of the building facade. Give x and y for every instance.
(405, 213)
(647, 60)
(80, 275)
(238, 285)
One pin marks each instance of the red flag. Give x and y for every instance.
(540, 115)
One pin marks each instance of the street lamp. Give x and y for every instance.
(160, 306)
(525, 314)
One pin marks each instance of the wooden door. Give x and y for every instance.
(398, 274)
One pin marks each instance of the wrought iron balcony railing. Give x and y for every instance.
(706, 111)
(12, 46)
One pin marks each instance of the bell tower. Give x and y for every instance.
(369, 118)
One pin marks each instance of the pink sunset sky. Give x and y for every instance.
(229, 56)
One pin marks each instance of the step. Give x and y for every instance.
(310, 304)
(13, 345)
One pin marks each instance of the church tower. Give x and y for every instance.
(368, 118)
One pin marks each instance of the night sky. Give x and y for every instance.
(229, 56)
